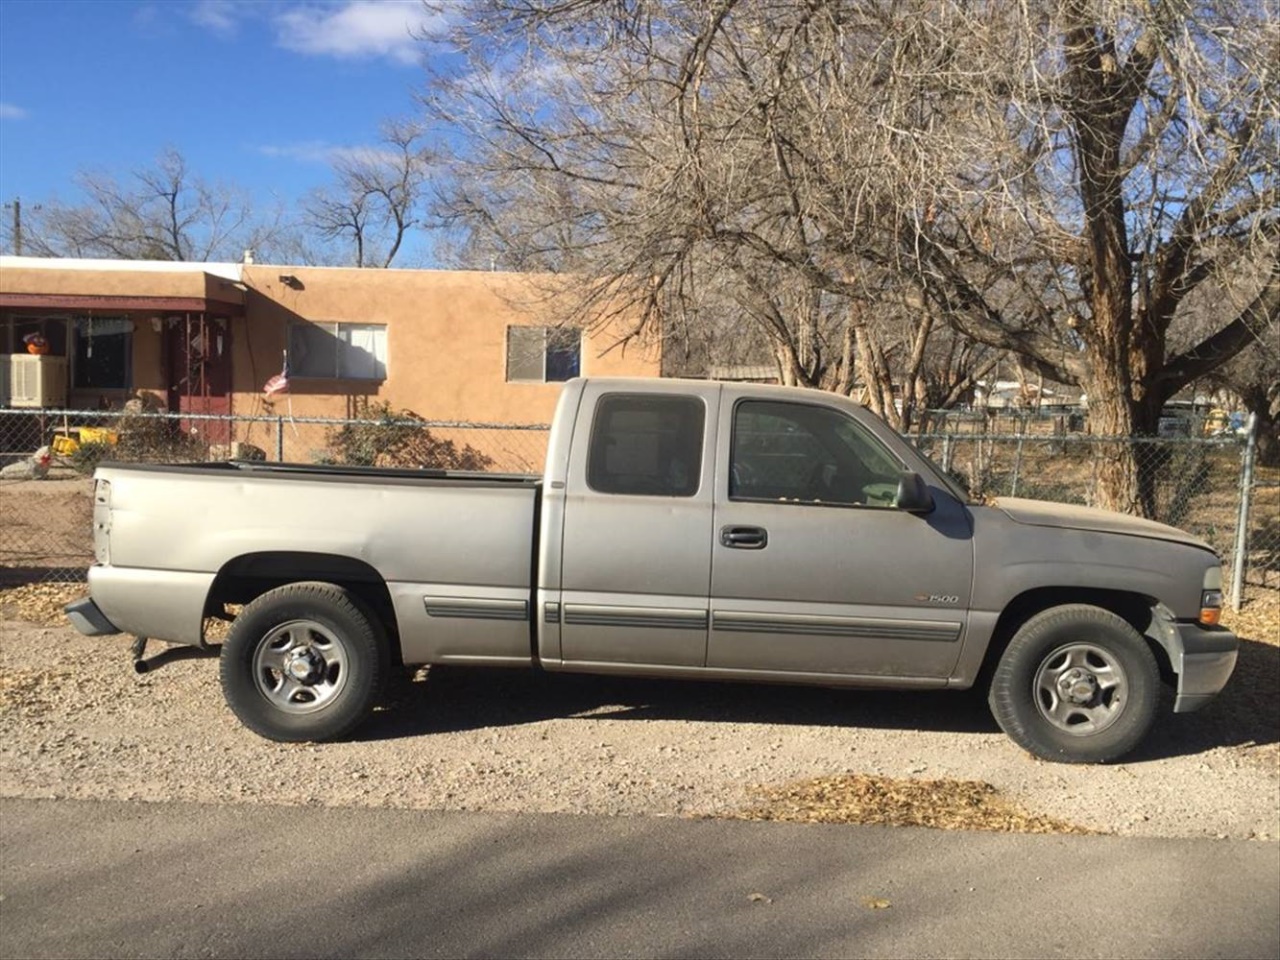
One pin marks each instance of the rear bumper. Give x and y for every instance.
(1207, 660)
(88, 619)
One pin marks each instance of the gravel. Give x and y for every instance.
(77, 722)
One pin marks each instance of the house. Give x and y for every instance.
(1014, 394)
(204, 338)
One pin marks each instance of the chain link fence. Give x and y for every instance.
(1259, 544)
(1206, 485)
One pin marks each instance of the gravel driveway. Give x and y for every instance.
(77, 722)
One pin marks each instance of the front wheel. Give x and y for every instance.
(1077, 684)
(303, 662)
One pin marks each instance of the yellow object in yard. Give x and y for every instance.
(97, 435)
(1216, 421)
(68, 440)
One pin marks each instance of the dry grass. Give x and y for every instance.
(885, 801)
(1259, 616)
(40, 603)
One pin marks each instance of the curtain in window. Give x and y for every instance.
(363, 354)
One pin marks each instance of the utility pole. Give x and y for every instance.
(16, 207)
(17, 226)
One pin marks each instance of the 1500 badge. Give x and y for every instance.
(936, 598)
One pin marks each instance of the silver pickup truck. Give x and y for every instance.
(681, 529)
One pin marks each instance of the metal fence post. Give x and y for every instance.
(279, 439)
(1017, 459)
(946, 452)
(1242, 523)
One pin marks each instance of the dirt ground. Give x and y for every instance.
(79, 723)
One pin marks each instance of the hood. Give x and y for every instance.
(1040, 513)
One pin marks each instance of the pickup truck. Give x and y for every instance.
(689, 529)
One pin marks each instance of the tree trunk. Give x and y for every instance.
(1128, 470)
(877, 380)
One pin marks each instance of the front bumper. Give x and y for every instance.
(1207, 659)
(88, 619)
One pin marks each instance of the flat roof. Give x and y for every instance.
(224, 271)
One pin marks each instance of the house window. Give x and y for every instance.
(103, 353)
(14, 330)
(338, 351)
(543, 354)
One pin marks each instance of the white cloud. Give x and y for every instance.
(318, 151)
(220, 16)
(356, 29)
(11, 111)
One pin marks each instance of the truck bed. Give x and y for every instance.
(452, 539)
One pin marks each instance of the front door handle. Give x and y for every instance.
(744, 538)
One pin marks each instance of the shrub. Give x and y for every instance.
(86, 457)
(397, 439)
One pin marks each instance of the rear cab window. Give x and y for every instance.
(646, 445)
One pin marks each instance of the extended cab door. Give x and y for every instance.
(636, 560)
(814, 570)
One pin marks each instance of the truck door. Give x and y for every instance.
(636, 554)
(814, 570)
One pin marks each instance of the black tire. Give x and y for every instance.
(319, 628)
(1050, 694)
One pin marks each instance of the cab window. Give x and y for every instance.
(647, 445)
(793, 452)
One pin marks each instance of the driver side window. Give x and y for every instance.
(807, 454)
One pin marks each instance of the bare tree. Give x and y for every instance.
(159, 212)
(1252, 377)
(684, 216)
(375, 199)
(1050, 178)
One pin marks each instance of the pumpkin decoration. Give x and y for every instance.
(37, 343)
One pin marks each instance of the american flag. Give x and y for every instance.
(280, 382)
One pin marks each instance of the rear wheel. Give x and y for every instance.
(304, 662)
(1077, 684)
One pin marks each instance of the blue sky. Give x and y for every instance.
(256, 93)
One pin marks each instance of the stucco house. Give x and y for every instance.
(206, 338)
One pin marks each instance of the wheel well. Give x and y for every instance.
(247, 577)
(1134, 608)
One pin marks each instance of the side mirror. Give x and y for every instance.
(913, 495)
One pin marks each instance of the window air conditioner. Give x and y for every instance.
(34, 381)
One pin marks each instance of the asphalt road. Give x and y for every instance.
(132, 879)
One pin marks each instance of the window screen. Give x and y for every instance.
(347, 351)
(543, 354)
(646, 445)
(525, 346)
